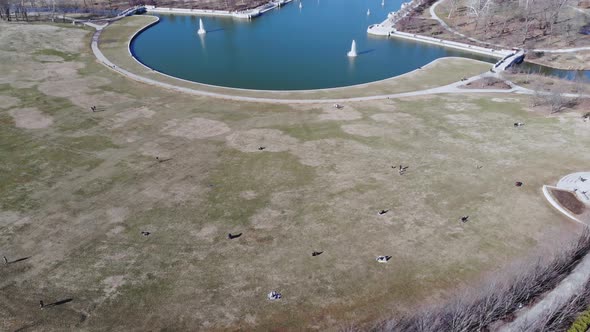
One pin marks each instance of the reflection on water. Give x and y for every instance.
(581, 75)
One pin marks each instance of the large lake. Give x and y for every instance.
(285, 49)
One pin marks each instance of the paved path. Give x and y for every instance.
(567, 288)
(579, 10)
(452, 88)
(89, 23)
(106, 21)
(563, 50)
(95, 26)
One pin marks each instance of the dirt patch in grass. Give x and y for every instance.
(12, 217)
(268, 218)
(195, 128)
(125, 116)
(207, 233)
(68, 84)
(111, 284)
(31, 118)
(153, 149)
(171, 191)
(569, 201)
(248, 194)
(117, 215)
(272, 140)
(343, 114)
(504, 100)
(367, 130)
(395, 117)
(487, 83)
(317, 153)
(8, 102)
(48, 58)
(29, 39)
(461, 106)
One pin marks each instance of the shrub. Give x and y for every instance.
(478, 308)
(582, 323)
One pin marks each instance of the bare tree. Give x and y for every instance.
(558, 101)
(555, 97)
(477, 8)
(5, 10)
(527, 14)
(453, 7)
(477, 308)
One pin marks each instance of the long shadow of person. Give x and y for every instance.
(233, 236)
(19, 260)
(54, 304)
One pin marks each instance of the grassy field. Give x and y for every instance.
(77, 188)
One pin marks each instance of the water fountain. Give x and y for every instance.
(300, 5)
(382, 3)
(352, 52)
(202, 30)
(368, 12)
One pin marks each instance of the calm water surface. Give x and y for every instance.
(285, 49)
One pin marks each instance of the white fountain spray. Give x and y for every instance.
(300, 5)
(352, 52)
(202, 30)
(368, 12)
(382, 3)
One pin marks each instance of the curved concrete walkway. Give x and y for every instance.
(450, 88)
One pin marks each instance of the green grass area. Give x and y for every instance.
(314, 131)
(33, 163)
(52, 52)
(76, 195)
(582, 323)
(36, 160)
